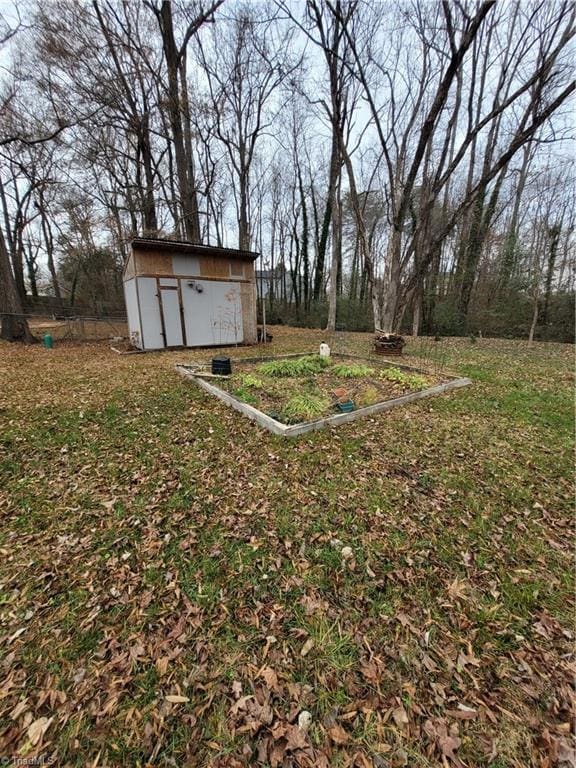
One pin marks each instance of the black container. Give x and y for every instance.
(221, 366)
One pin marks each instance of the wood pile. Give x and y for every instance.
(388, 343)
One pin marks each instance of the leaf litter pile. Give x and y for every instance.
(178, 587)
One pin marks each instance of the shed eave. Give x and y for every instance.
(184, 246)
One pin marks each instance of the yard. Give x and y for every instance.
(176, 586)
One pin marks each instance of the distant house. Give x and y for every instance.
(181, 294)
(275, 280)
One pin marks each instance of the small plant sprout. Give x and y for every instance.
(368, 396)
(244, 394)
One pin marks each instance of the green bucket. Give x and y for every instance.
(48, 341)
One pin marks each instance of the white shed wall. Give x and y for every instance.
(132, 312)
(150, 313)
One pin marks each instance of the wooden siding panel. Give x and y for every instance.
(153, 263)
(215, 267)
(248, 298)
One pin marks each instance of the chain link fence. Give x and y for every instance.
(73, 328)
(274, 339)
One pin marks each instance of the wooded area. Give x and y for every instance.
(405, 166)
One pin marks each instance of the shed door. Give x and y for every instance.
(227, 313)
(171, 314)
(212, 312)
(197, 307)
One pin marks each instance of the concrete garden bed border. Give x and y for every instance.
(293, 430)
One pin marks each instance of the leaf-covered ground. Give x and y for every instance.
(176, 588)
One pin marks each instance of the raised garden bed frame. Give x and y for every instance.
(293, 430)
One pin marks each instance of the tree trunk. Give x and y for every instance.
(49, 243)
(321, 255)
(14, 325)
(150, 218)
(188, 196)
(554, 239)
(534, 321)
(244, 239)
(336, 236)
(511, 244)
(305, 238)
(417, 311)
(391, 288)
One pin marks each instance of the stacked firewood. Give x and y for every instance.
(388, 343)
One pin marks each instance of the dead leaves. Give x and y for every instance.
(445, 739)
(337, 734)
(400, 717)
(176, 699)
(172, 566)
(275, 738)
(270, 678)
(307, 647)
(37, 729)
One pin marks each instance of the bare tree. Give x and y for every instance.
(245, 64)
(176, 89)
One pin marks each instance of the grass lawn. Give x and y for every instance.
(173, 589)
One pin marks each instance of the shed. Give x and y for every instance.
(182, 294)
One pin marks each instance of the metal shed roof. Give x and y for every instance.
(185, 246)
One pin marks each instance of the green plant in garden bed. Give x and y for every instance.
(302, 366)
(305, 406)
(410, 380)
(248, 381)
(351, 371)
(368, 396)
(244, 394)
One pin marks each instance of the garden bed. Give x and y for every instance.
(295, 394)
